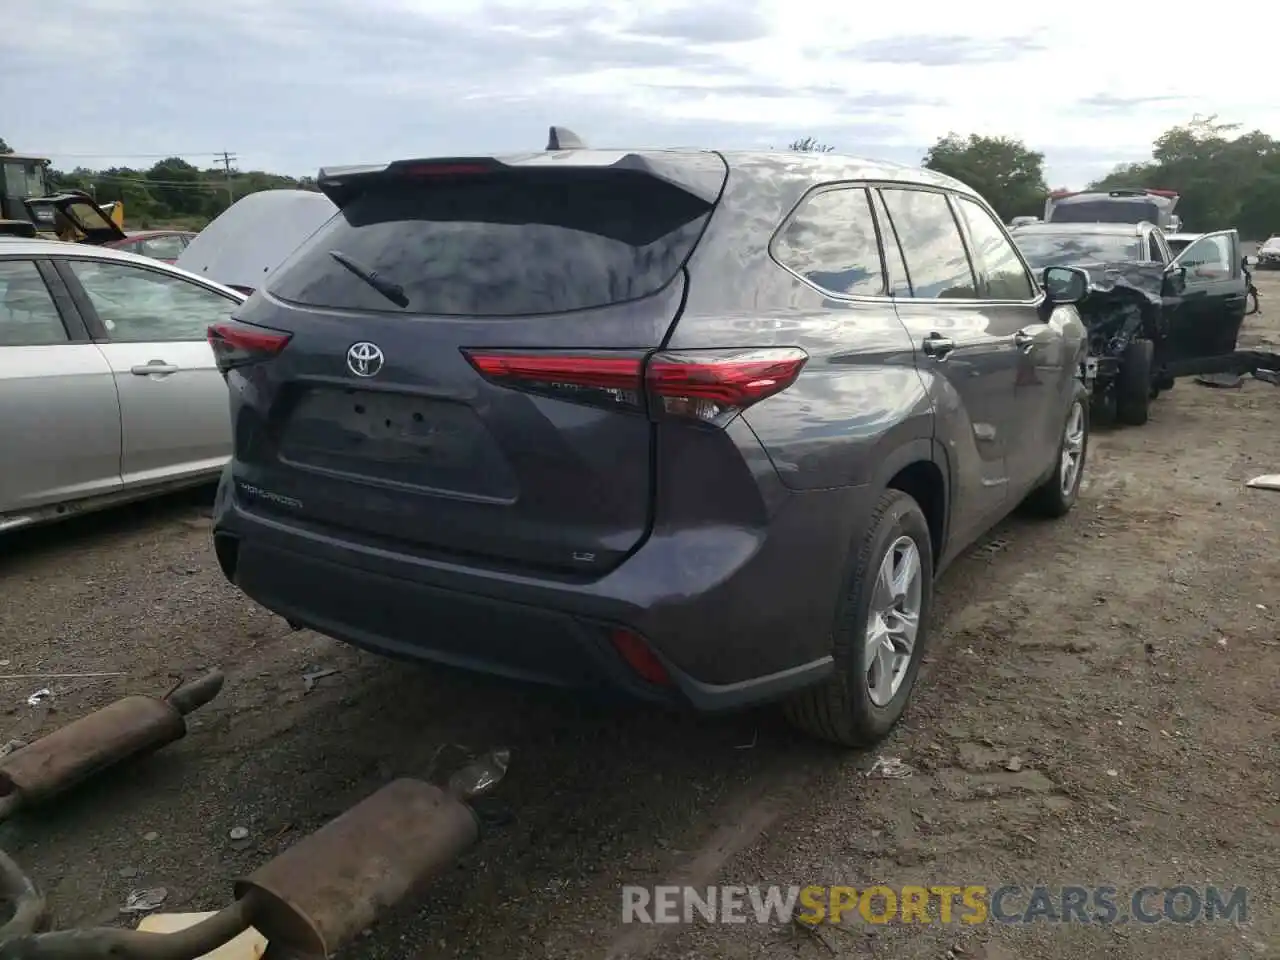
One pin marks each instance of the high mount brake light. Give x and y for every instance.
(441, 169)
(238, 344)
(707, 385)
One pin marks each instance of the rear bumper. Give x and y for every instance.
(736, 617)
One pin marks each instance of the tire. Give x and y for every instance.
(1133, 383)
(850, 709)
(1102, 406)
(1058, 494)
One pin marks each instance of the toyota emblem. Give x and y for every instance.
(365, 359)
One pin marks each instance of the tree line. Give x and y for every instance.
(1225, 177)
(171, 192)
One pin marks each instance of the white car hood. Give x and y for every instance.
(254, 235)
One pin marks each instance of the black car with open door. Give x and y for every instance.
(1152, 316)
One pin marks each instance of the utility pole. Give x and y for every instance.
(226, 163)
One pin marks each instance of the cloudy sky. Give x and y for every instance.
(290, 85)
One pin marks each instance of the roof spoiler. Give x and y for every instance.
(562, 138)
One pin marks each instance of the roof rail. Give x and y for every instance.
(562, 138)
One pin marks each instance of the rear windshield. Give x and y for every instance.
(508, 244)
(1061, 250)
(1105, 211)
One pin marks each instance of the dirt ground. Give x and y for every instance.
(1128, 658)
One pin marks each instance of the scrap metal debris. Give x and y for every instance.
(56, 676)
(1268, 481)
(989, 549)
(309, 680)
(43, 695)
(1228, 381)
(890, 768)
(144, 901)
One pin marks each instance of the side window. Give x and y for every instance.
(137, 305)
(931, 244)
(1209, 258)
(161, 248)
(997, 260)
(28, 316)
(831, 242)
(899, 279)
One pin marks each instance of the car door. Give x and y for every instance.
(965, 349)
(151, 324)
(1046, 371)
(1205, 315)
(59, 416)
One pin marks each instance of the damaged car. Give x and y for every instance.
(1152, 315)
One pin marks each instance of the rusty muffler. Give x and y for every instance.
(121, 730)
(323, 891)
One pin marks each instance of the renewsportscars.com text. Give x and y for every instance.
(967, 904)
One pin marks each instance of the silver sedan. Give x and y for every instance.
(108, 386)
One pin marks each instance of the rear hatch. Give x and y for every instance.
(1113, 206)
(89, 223)
(465, 344)
(255, 235)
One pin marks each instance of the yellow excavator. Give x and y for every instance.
(28, 208)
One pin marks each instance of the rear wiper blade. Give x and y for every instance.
(388, 288)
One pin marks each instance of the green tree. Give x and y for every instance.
(1225, 178)
(4, 147)
(809, 145)
(1005, 171)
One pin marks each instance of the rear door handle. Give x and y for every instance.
(153, 368)
(1023, 340)
(937, 346)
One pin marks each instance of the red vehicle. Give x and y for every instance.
(166, 245)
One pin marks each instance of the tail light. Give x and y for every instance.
(238, 344)
(712, 386)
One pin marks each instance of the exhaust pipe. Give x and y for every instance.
(321, 892)
(122, 730)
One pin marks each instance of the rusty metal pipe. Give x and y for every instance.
(194, 695)
(325, 889)
(126, 728)
(28, 909)
(110, 943)
(69, 755)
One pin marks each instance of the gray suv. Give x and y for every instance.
(700, 427)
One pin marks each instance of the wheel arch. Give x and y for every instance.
(922, 470)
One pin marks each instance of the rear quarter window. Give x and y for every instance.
(509, 244)
(831, 242)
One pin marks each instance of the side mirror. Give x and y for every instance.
(1175, 279)
(1065, 284)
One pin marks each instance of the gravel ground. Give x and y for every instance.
(1101, 707)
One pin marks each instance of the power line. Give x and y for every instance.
(147, 182)
(133, 156)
